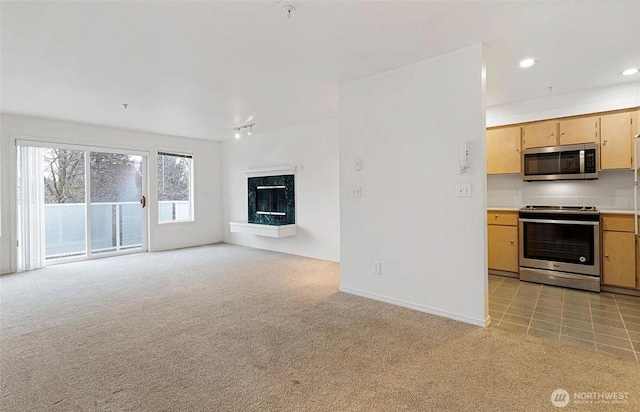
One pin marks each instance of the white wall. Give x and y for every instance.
(621, 96)
(206, 228)
(313, 146)
(406, 126)
(612, 191)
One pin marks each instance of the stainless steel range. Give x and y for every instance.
(560, 245)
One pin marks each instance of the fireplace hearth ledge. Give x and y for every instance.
(262, 230)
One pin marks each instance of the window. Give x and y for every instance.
(175, 187)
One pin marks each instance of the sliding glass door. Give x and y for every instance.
(78, 204)
(64, 182)
(116, 191)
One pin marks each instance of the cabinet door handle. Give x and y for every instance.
(512, 242)
(606, 255)
(605, 141)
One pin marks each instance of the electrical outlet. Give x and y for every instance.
(377, 268)
(356, 192)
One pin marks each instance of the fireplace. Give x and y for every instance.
(271, 200)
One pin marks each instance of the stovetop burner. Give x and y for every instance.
(560, 209)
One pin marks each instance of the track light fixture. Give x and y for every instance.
(249, 128)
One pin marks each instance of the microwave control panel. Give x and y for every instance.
(590, 165)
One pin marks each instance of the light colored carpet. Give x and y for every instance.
(228, 328)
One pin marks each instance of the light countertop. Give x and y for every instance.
(602, 211)
(617, 212)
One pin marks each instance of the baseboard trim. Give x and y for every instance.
(497, 272)
(483, 323)
(621, 291)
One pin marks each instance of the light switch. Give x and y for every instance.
(356, 192)
(377, 268)
(463, 190)
(356, 165)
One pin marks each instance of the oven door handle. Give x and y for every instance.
(561, 222)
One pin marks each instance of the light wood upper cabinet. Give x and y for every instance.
(503, 150)
(612, 131)
(581, 130)
(615, 141)
(540, 134)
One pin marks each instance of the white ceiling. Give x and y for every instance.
(191, 68)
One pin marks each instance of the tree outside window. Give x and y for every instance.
(174, 187)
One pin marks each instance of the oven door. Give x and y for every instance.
(560, 245)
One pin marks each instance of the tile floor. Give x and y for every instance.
(603, 322)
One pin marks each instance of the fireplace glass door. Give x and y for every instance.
(271, 200)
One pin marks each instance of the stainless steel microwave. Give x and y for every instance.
(571, 162)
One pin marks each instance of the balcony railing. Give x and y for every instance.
(170, 210)
(115, 226)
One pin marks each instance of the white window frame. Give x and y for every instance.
(192, 216)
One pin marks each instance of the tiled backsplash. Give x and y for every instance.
(613, 190)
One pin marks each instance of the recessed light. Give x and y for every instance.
(527, 63)
(629, 72)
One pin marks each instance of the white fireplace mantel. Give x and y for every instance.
(273, 171)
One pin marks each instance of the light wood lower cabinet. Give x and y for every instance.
(502, 218)
(502, 239)
(619, 251)
(637, 265)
